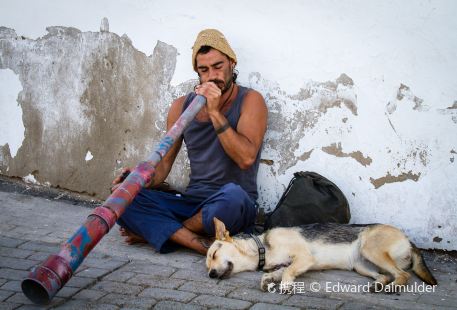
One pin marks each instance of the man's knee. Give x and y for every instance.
(234, 195)
(234, 207)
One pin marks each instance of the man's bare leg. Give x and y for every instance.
(195, 223)
(187, 238)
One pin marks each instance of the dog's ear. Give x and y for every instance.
(221, 233)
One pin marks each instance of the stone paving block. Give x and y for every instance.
(220, 302)
(13, 274)
(149, 269)
(17, 263)
(312, 302)
(9, 306)
(147, 280)
(438, 300)
(39, 256)
(119, 288)
(240, 282)
(256, 295)
(86, 305)
(3, 281)
(4, 294)
(207, 288)
(166, 294)
(10, 242)
(79, 282)
(193, 275)
(13, 285)
(40, 246)
(173, 260)
(92, 272)
(129, 302)
(20, 298)
(353, 305)
(15, 253)
(264, 306)
(90, 294)
(5, 226)
(102, 263)
(119, 276)
(384, 300)
(173, 305)
(39, 238)
(450, 278)
(66, 291)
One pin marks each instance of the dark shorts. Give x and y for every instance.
(157, 215)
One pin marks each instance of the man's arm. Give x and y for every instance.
(243, 142)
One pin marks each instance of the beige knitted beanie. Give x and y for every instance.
(215, 39)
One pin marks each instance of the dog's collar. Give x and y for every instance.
(261, 251)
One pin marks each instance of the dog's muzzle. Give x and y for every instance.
(214, 274)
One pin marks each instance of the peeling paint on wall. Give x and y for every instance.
(393, 179)
(337, 150)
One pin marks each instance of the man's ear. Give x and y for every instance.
(221, 233)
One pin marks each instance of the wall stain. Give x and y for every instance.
(305, 155)
(267, 162)
(404, 94)
(394, 179)
(336, 150)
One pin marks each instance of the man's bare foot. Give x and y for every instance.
(131, 238)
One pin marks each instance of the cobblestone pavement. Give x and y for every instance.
(118, 276)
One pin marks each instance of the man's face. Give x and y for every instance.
(216, 67)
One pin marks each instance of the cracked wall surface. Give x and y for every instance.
(92, 103)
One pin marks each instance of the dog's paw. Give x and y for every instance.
(266, 282)
(286, 287)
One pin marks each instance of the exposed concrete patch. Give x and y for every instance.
(76, 86)
(394, 179)
(337, 150)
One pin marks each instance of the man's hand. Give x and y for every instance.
(212, 93)
(120, 178)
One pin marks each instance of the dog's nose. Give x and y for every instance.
(213, 273)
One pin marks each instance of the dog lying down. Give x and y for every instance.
(379, 251)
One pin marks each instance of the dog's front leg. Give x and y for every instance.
(271, 277)
(300, 265)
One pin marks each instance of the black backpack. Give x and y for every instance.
(309, 198)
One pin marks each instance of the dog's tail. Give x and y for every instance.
(420, 268)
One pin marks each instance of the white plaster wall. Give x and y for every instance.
(380, 45)
(11, 127)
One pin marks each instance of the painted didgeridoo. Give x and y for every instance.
(45, 280)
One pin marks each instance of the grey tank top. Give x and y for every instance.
(211, 167)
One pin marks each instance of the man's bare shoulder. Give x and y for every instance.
(254, 100)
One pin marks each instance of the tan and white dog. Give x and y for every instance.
(374, 250)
